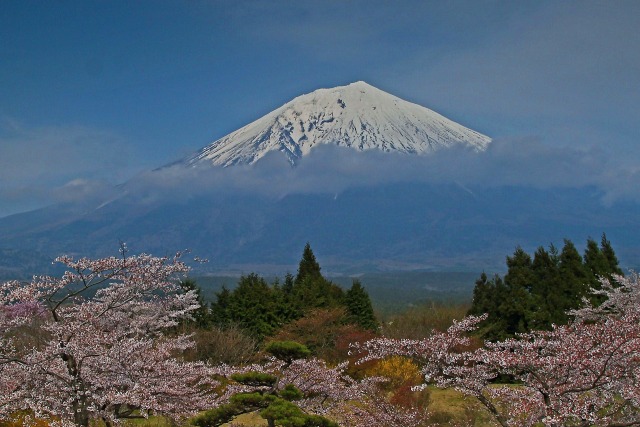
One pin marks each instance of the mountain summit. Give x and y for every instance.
(358, 115)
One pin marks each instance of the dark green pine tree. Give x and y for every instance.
(287, 287)
(595, 262)
(311, 289)
(573, 276)
(517, 307)
(359, 307)
(610, 255)
(546, 293)
(221, 309)
(308, 267)
(497, 326)
(483, 297)
(253, 306)
(519, 270)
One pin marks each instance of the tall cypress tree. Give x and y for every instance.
(547, 289)
(516, 308)
(308, 267)
(595, 262)
(253, 305)
(483, 296)
(610, 255)
(311, 289)
(220, 310)
(359, 307)
(573, 276)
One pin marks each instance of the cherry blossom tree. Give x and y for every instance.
(101, 349)
(306, 392)
(581, 374)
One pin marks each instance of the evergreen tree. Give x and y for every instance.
(596, 263)
(536, 294)
(359, 307)
(517, 307)
(308, 267)
(483, 296)
(610, 255)
(317, 292)
(221, 309)
(287, 287)
(573, 276)
(498, 323)
(311, 289)
(520, 272)
(253, 306)
(547, 295)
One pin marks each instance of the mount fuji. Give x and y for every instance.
(358, 116)
(235, 204)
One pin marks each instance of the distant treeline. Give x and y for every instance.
(262, 308)
(537, 291)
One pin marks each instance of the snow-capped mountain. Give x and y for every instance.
(358, 115)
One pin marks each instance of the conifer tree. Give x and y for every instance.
(311, 289)
(483, 297)
(287, 287)
(610, 255)
(573, 276)
(596, 264)
(220, 310)
(359, 307)
(547, 289)
(516, 307)
(253, 306)
(539, 293)
(519, 273)
(308, 267)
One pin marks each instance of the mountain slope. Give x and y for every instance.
(358, 115)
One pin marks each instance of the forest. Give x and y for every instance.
(131, 340)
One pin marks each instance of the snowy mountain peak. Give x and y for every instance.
(357, 115)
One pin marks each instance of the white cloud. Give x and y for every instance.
(329, 169)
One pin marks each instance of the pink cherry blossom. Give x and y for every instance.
(581, 374)
(102, 351)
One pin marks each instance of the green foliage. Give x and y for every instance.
(359, 307)
(255, 379)
(287, 351)
(291, 392)
(251, 400)
(221, 309)
(262, 308)
(217, 416)
(536, 293)
(284, 413)
(308, 268)
(253, 305)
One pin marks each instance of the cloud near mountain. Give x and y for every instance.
(331, 169)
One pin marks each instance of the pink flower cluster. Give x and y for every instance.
(584, 373)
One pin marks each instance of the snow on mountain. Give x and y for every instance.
(358, 115)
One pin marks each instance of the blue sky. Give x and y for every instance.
(94, 92)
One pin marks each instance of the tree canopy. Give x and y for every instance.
(538, 292)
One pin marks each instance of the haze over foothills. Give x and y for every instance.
(94, 93)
